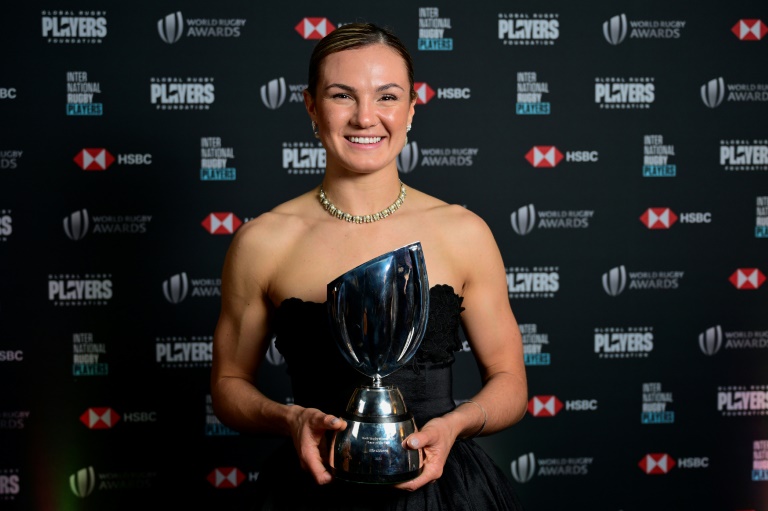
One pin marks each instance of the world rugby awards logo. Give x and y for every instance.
(615, 280)
(83, 482)
(171, 27)
(713, 92)
(523, 468)
(615, 29)
(408, 158)
(711, 340)
(76, 225)
(175, 289)
(273, 93)
(524, 219)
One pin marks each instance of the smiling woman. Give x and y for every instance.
(360, 100)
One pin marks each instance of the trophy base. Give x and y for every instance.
(372, 447)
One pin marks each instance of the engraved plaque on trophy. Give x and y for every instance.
(378, 315)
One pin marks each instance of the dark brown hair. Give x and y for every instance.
(356, 35)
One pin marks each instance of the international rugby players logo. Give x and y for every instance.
(615, 29)
(171, 27)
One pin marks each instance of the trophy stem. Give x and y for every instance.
(377, 381)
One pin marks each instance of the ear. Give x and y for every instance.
(309, 104)
(411, 112)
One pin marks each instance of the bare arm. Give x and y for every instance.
(496, 343)
(240, 344)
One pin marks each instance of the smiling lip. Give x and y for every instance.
(364, 140)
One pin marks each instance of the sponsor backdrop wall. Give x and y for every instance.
(618, 151)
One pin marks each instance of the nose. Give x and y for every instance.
(365, 115)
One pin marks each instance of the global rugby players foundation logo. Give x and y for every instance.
(171, 27)
(226, 477)
(747, 278)
(656, 463)
(221, 223)
(314, 28)
(749, 30)
(175, 288)
(615, 280)
(523, 468)
(615, 29)
(94, 159)
(99, 418)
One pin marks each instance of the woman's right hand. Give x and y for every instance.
(308, 435)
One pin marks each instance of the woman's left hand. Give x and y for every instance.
(436, 438)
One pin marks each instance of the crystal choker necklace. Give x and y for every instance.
(332, 210)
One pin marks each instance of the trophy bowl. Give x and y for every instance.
(378, 315)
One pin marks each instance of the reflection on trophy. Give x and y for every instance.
(378, 314)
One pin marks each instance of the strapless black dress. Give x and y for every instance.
(322, 379)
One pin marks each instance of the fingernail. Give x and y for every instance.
(414, 442)
(334, 421)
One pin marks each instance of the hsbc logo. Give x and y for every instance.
(424, 93)
(94, 159)
(656, 464)
(549, 156)
(541, 156)
(747, 278)
(99, 418)
(221, 223)
(314, 28)
(749, 30)
(226, 477)
(658, 218)
(544, 406)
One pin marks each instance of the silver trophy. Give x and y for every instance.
(378, 315)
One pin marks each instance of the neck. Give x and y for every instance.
(362, 194)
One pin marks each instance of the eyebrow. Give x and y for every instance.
(352, 89)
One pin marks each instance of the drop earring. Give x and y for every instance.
(315, 129)
(407, 129)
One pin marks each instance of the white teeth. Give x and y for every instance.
(364, 140)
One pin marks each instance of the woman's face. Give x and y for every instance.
(362, 106)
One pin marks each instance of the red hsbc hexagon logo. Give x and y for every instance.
(226, 477)
(747, 278)
(314, 28)
(544, 406)
(658, 218)
(749, 30)
(656, 463)
(221, 223)
(544, 156)
(423, 92)
(94, 159)
(99, 418)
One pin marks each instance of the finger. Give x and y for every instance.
(318, 471)
(420, 440)
(334, 423)
(427, 476)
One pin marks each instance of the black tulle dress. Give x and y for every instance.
(322, 379)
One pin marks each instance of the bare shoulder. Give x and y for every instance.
(456, 221)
